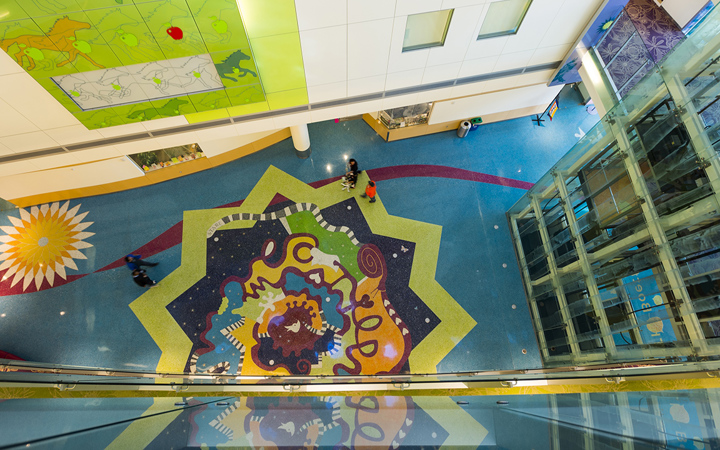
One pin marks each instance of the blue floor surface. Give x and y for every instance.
(88, 322)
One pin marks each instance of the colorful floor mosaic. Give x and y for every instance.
(303, 281)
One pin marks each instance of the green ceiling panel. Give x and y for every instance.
(250, 108)
(287, 99)
(101, 118)
(279, 61)
(244, 95)
(210, 100)
(269, 18)
(34, 51)
(172, 107)
(10, 10)
(207, 115)
(125, 32)
(220, 24)
(173, 27)
(39, 8)
(81, 41)
(104, 52)
(235, 67)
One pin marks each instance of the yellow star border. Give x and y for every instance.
(151, 308)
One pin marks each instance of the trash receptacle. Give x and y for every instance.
(463, 129)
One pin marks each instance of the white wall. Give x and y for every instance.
(683, 10)
(490, 103)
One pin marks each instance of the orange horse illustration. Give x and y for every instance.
(60, 37)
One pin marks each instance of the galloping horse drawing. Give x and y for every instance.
(60, 37)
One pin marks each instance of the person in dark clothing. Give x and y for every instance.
(134, 262)
(141, 278)
(351, 174)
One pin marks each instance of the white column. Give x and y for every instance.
(301, 140)
(592, 78)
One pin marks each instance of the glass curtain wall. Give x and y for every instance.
(619, 244)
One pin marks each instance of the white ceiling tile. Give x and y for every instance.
(446, 4)
(366, 10)
(459, 37)
(440, 73)
(165, 122)
(368, 48)
(209, 134)
(8, 64)
(486, 47)
(569, 22)
(536, 24)
(131, 148)
(174, 140)
(324, 55)
(122, 130)
(515, 81)
(464, 90)
(327, 92)
(97, 154)
(401, 80)
(549, 54)
(478, 66)
(14, 168)
(364, 107)
(255, 126)
(336, 112)
(399, 101)
(73, 134)
(291, 120)
(21, 143)
(35, 103)
(12, 122)
(508, 61)
(320, 13)
(435, 94)
(363, 86)
(400, 61)
(5, 151)
(405, 7)
(53, 161)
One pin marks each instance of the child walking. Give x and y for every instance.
(369, 191)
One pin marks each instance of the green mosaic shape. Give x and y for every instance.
(137, 112)
(236, 67)
(12, 11)
(100, 118)
(175, 106)
(206, 116)
(85, 48)
(207, 101)
(126, 33)
(165, 16)
(245, 95)
(25, 42)
(219, 23)
(39, 8)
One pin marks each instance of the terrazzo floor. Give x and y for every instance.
(429, 284)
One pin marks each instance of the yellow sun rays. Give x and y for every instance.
(42, 243)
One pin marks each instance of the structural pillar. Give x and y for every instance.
(301, 140)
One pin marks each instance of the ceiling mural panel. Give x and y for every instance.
(111, 62)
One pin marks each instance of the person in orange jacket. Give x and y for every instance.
(369, 191)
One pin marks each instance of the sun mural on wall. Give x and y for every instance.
(303, 281)
(42, 243)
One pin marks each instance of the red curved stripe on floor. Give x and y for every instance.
(173, 236)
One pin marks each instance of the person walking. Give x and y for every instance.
(135, 261)
(370, 191)
(141, 279)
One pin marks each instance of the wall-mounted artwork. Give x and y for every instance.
(111, 62)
